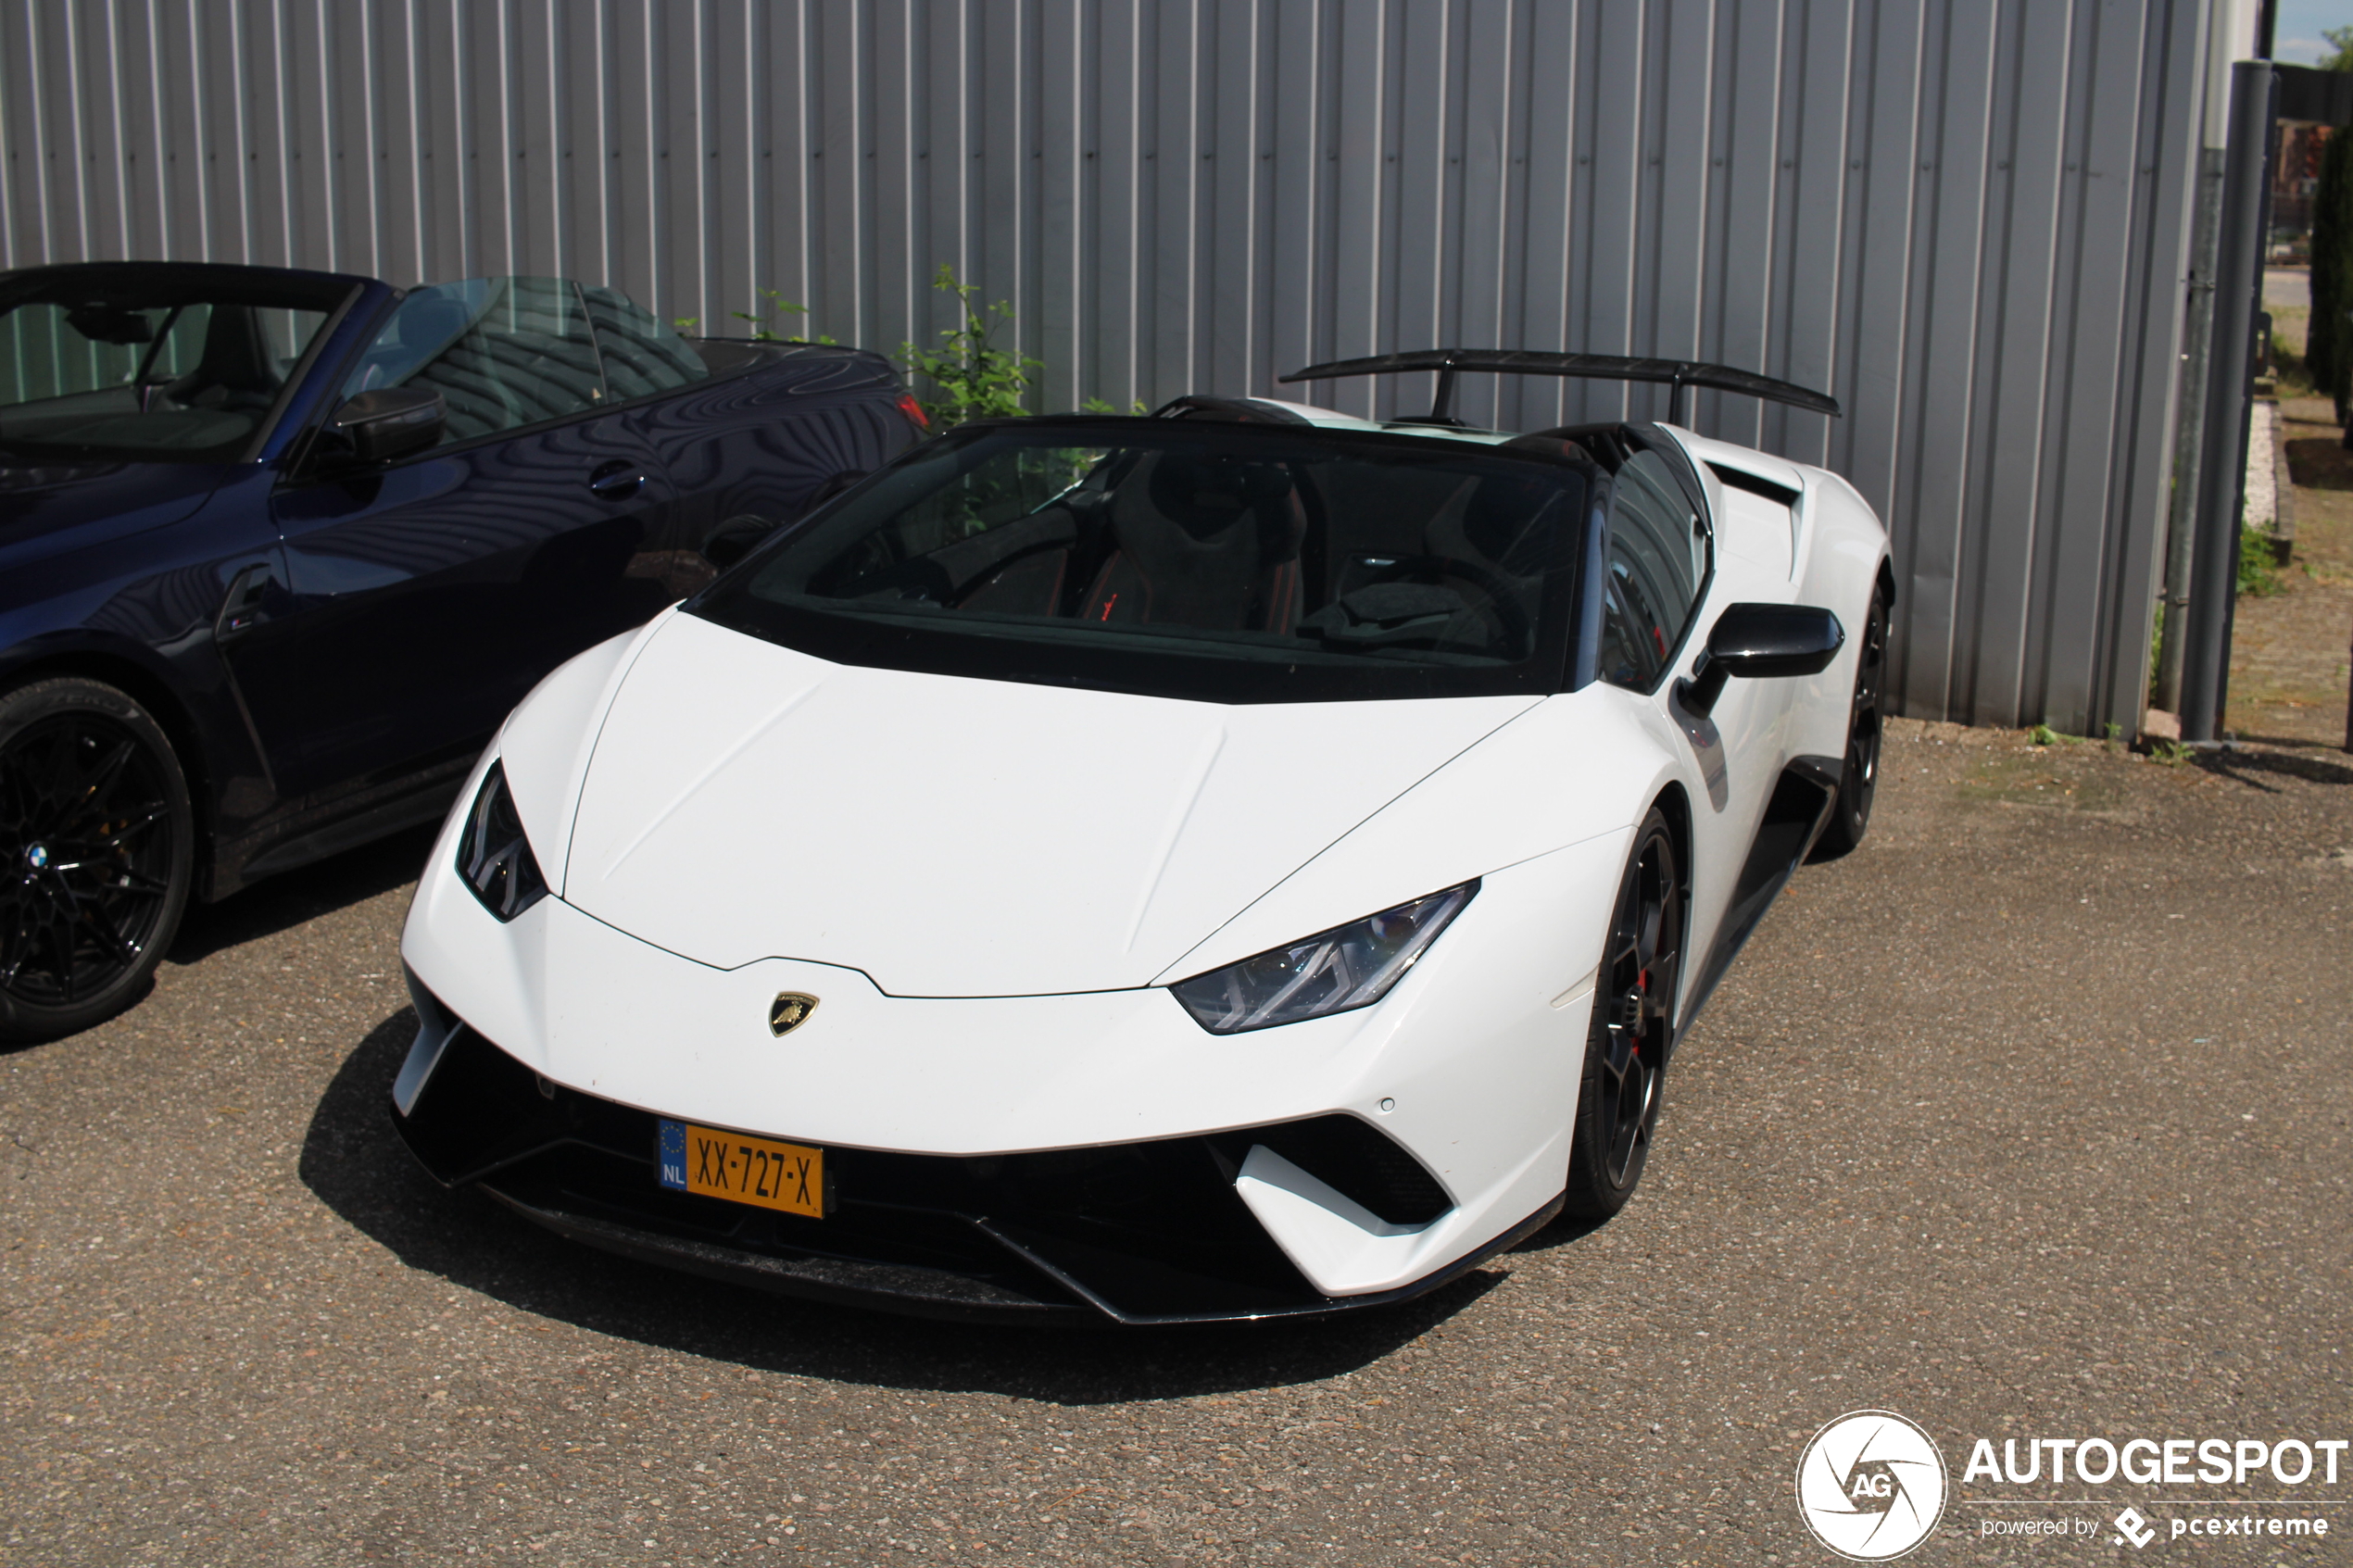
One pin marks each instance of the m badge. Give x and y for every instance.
(789, 1011)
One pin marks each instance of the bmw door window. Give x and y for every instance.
(504, 353)
(1657, 566)
(143, 369)
(1237, 563)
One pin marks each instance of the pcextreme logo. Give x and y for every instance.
(1871, 1485)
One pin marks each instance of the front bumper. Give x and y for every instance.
(1469, 1068)
(1153, 1231)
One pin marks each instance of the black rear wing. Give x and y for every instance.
(1674, 373)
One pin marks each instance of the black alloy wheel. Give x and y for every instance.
(98, 852)
(1858, 781)
(1632, 1031)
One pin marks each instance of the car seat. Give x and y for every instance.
(1494, 524)
(1207, 543)
(233, 372)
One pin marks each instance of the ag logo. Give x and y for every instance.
(789, 1011)
(1871, 1485)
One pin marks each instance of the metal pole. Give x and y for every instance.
(2222, 468)
(2189, 438)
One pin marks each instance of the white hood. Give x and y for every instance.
(957, 837)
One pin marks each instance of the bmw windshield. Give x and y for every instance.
(146, 362)
(1210, 560)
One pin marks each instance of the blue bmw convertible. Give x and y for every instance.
(280, 550)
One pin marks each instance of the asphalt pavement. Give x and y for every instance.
(2028, 1119)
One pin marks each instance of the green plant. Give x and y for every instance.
(972, 379)
(2290, 371)
(2042, 734)
(2328, 342)
(2340, 56)
(764, 322)
(2171, 753)
(2257, 574)
(1103, 405)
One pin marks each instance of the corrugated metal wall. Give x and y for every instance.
(1967, 218)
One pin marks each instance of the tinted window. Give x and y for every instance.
(503, 353)
(127, 369)
(1238, 563)
(642, 356)
(1658, 562)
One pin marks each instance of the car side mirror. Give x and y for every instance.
(394, 421)
(1760, 642)
(734, 539)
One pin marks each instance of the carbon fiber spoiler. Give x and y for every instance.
(1674, 373)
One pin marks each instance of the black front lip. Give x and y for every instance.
(935, 1293)
(909, 1290)
(1132, 1234)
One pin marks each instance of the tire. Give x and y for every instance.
(1859, 779)
(1632, 1032)
(98, 853)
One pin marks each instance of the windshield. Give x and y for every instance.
(509, 352)
(1223, 562)
(149, 363)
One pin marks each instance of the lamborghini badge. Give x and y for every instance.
(789, 1011)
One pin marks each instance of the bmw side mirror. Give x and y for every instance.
(394, 421)
(1760, 642)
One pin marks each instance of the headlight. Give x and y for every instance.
(493, 855)
(1350, 966)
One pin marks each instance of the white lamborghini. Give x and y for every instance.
(1243, 863)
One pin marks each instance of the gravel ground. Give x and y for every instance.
(2029, 1118)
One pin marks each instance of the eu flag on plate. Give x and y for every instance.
(670, 1157)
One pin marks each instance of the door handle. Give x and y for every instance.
(241, 611)
(616, 481)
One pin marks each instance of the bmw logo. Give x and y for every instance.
(37, 856)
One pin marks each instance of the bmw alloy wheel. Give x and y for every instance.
(95, 854)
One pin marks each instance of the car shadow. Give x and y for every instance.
(287, 900)
(2248, 767)
(356, 1163)
(1562, 1231)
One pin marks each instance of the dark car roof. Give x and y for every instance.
(215, 280)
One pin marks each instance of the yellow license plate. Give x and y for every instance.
(743, 1167)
